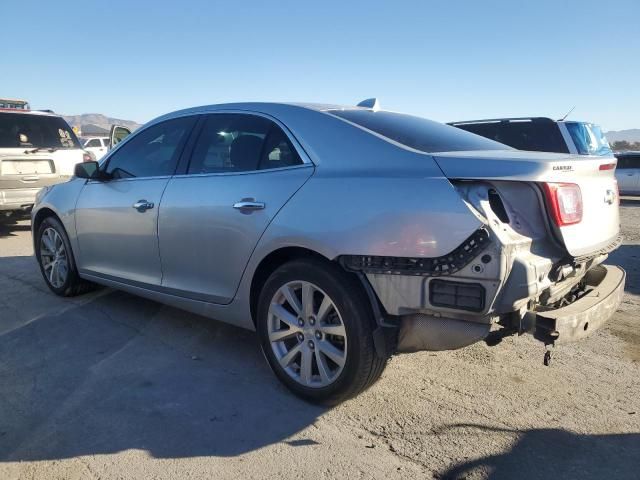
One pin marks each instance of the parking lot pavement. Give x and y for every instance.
(108, 385)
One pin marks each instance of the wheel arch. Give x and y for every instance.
(38, 218)
(282, 255)
(43, 213)
(269, 264)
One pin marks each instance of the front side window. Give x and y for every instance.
(241, 143)
(589, 139)
(94, 142)
(153, 152)
(19, 130)
(418, 133)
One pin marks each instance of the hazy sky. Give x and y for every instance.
(451, 60)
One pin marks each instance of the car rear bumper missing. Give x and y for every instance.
(582, 317)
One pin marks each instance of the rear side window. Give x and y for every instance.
(538, 135)
(628, 161)
(418, 133)
(94, 142)
(241, 143)
(35, 131)
(153, 152)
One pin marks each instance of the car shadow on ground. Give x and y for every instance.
(550, 454)
(119, 372)
(8, 229)
(628, 257)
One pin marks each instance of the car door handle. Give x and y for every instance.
(248, 205)
(142, 205)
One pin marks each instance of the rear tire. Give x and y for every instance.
(316, 330)
(55, 258)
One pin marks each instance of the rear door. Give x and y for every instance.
(117, 219)
(243, 169)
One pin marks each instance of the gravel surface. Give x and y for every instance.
(111, 386)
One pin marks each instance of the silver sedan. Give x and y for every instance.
(341, 234)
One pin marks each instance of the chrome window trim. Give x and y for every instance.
(130, 179)
(247, 172)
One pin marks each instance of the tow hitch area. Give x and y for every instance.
(587, 314)
(604, 290)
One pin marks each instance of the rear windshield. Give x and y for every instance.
(628, 161)
(35, 131)
(588, 138)
(418, 133)
(538, 135)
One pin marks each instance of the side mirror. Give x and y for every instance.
(89, 170)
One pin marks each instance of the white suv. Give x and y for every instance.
(98, 146)
(36, 149)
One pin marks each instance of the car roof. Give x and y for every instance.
(271, 108)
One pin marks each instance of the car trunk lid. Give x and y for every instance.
(600, 223)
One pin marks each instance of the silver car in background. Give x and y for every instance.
(341, 234)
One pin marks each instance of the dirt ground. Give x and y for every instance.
(110, 386)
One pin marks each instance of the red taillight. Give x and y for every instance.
(607, 166)
(86, 157)
(565, 202)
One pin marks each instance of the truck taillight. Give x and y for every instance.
(565, 203)
(86, 157)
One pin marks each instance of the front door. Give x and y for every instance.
(117, 218)
(243, 169)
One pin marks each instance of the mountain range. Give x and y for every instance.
(99, 120)
(632, 135)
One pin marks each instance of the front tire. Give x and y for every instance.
(316, 331)
(55, 258)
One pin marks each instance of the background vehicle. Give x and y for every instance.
(628, 172)
(14, 104)
(341, 234)
(542, 134)
(36, 149)
(98, 146)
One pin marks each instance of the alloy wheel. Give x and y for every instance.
(307, 334)
(53, 257)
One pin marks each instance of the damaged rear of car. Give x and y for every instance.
(340, 234)
(535, 263)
